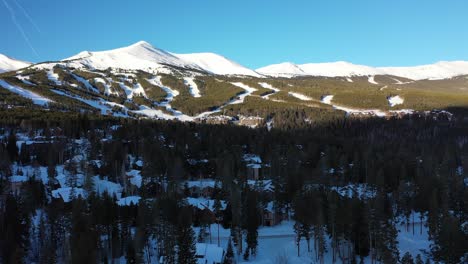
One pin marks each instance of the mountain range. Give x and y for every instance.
(143, 81)
(142, 55)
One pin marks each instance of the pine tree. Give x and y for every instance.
(229, 257)
(407, 259)
(185, 238)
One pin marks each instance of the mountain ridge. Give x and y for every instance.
(10, 64)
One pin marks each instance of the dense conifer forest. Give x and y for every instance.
(346, 186)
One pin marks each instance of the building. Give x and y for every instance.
(270, 216)
(201, 188)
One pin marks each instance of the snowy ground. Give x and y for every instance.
(279, 241)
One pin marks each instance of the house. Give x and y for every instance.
(17, 183)
(253, 171)
(254, 165)
(209, 254)
(201, 188)
(270, 216)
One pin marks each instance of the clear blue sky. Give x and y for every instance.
(252, 32)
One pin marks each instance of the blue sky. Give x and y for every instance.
(254, 33)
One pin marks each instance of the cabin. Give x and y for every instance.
(253, 171)
(270, 216)
(17, 183)
(209, 254)
(201, 188)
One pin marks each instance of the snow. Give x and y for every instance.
(190, 82)
(252, 158)
(349, 110)
(135, 177)
(129, 200)
(216, 64)
(327, 99)
(349, 80)
(53, 77)
(85, 83)
(111, 188)
(209, 253)
(25, 80)
(395, 100)
(202, 203)
(139, 56)
(300, 96)
(17, 178)
(268, 86)
(107, 88)
(331, 69)
(282, 69)
(36, 98)
(104, 106)
(66, 193)
(9, 64)
(201, 183)
(439, 70)
(362, 191)
(248, 91)
(144, 56)
(372, 80)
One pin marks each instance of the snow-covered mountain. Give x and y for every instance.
(9, 64)
(139, 56)
(217, 64)
(439, 70)
(143, 56)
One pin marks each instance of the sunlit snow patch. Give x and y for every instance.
(194, 91)
(37, 99)
(395, 100)
(300, 96)
(327, 99)
(372, 80)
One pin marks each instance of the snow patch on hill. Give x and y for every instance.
(37, 99)
(300, 96)
(268, 86)
(248, 91)
(327, 99)
(395, 100)
(190, 82)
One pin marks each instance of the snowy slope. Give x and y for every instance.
(331, 69)
(286, 68)
(439, 70)
(36, 98)
(143, 56)
(139, 56)
(9, 64)
(216, 64)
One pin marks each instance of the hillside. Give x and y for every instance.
(141, 81)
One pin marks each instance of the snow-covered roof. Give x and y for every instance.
(205, 183)
(129, 200)
(135, 177)
(202, 203)
(17, 178)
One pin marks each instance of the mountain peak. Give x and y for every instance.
(10, 64)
